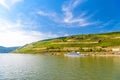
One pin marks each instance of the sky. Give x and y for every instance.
(26, 21)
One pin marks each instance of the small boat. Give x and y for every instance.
(75, 54)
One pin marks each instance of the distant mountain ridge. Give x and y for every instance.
(7, 49)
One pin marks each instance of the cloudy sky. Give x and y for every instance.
(26, 21)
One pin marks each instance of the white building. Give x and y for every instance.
(115, 49)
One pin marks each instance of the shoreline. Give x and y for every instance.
(105, 55)
(92, 53)
(102, 53)
(89, 53)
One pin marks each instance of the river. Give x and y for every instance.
(41, 67)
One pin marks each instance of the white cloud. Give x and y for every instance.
(2, 2)
(15, 1)
(105, 24)
(51, 15)
(8, 3)
(71, 5)
(46, 13)
(13, 34)
(68, 17)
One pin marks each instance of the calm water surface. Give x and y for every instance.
(39, 67)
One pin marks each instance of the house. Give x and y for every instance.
(115, 49)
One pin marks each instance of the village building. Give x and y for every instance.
(115, 49)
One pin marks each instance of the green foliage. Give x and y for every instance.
(81, 41)
(81, 50)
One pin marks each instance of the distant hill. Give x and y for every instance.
(103, 42)
(7, 49)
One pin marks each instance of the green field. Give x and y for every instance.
(83, 43)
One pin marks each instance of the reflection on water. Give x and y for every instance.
(39, 67)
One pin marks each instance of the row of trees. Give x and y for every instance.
(92, 50)
(58, 49)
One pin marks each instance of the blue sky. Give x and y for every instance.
(26, 21)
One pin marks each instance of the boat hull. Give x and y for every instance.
(75, 55)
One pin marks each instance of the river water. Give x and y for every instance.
(40, 67)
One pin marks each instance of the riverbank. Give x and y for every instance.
(105, 55)
(89, 53)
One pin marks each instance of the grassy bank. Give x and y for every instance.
(81, 43)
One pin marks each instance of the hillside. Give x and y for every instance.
(82, 43)
(7, 49)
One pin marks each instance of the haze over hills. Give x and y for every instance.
(7, 49)
(83, 43)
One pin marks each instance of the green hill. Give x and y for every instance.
(82, 43)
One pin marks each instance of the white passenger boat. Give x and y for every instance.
(75, 54)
